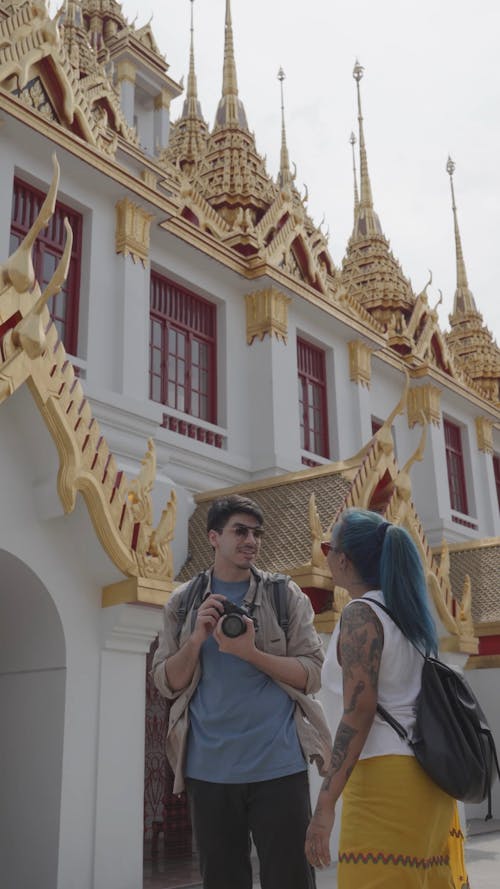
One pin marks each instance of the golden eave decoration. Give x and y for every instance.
(424, 405)
(30, 352)
(360, 367)
(132, 230)
(484, 433)
(267, 313)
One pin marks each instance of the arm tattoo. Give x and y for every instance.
(343, 738)
(361, 642)
(360, 687)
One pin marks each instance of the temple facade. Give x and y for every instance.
(173, 325)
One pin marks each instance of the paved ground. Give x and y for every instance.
(482, 856)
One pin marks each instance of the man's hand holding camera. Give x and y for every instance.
(242, 645)
(209, 614)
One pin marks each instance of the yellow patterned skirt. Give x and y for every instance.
(398, 830)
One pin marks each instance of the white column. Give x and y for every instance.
(161, 121)
(274, 423)
(126, 78)
(133, 331)
(127, 634)
(430, 486)
(485, 492)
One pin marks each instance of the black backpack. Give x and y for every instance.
(452, 740)
(190, 599)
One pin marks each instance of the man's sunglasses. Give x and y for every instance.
(242, 531)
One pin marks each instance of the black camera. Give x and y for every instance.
(233, 623)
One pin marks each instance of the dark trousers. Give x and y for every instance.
(274, 813)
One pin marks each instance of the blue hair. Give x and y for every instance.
(386, 558)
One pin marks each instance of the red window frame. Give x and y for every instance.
(311, 367)
(47, 252)
(182, 349)
(456, 467)
(496, 472)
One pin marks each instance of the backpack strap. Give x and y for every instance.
(279, 592)
(188, 599)
(280, 600)
(398, 728)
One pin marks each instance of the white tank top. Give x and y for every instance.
(399, 683)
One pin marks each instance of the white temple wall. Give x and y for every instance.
(75, 706)
(484, 683)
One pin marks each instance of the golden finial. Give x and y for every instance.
(192, 107)
(357, 71)
(365, 205)
(285, 177)
(230, 111)
(352, 141)
(464, 302)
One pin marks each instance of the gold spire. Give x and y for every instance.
(464, 299)
(367, 221)
(369, 270)
(72, 12)
(187, 141)
(469, 341)
(352, 141)
(285, 176)
(192, 107)
(230, 111)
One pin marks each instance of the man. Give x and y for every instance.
(242, 726)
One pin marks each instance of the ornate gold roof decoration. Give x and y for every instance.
(267, 313)
(360, 365)
(484, 433)
(479, 559)
(225, 189)
(232, 175)
(114, 38)
(188, 137)
(63, 82)
(424, 405)
(469, 341)
(370, 272)
(422, 341)
(132, 230)
(121, 511)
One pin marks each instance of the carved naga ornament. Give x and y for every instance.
(30, 352)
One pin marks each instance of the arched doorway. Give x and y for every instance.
(32, 695)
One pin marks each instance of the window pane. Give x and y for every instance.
(312, 398)
(156, 333)
(190, 348)
(156, 389)
(156, 361)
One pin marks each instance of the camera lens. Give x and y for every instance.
(233, 625)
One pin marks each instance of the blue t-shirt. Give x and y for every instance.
(242, 726)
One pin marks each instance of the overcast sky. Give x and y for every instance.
(431, 88)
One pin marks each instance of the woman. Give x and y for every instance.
(397, 825)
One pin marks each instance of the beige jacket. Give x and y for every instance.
(302, 642)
